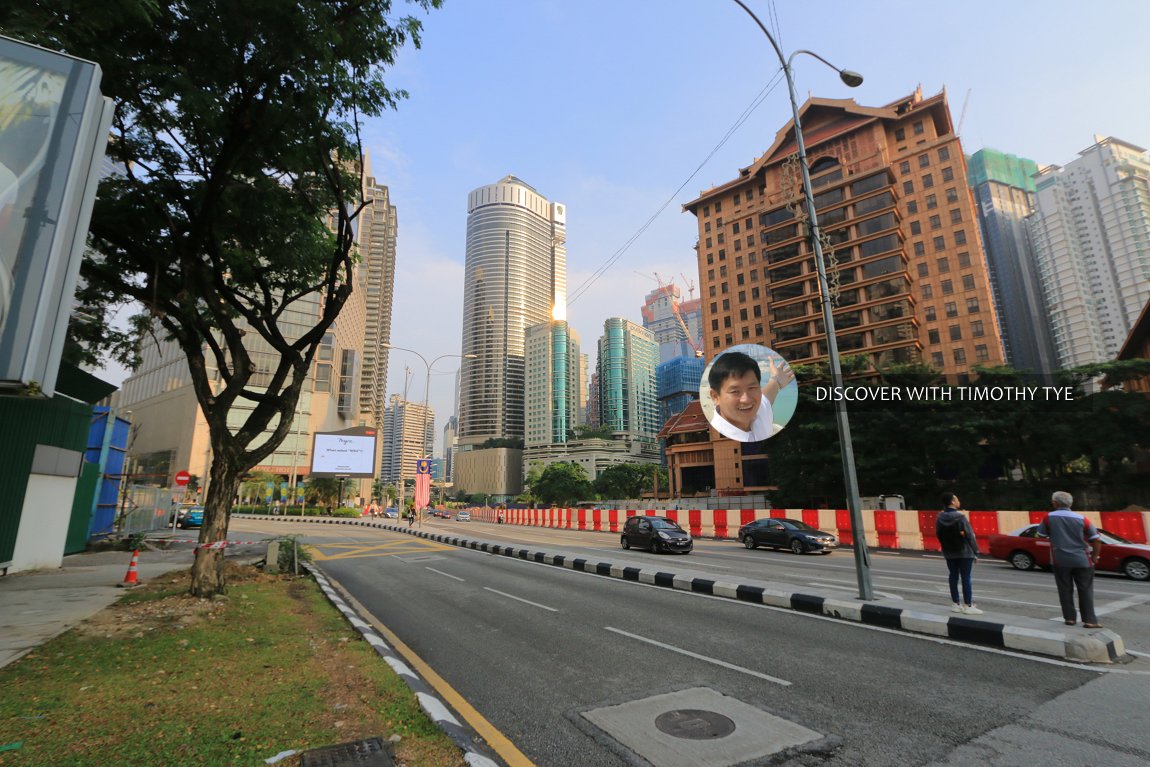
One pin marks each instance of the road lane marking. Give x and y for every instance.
(1121, 604)
(886, 594)
(703, 658)
(498, 742)
(521, 599)
(448, 575)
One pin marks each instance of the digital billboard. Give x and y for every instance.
(347, 453)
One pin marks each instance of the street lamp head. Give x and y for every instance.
(851, 79)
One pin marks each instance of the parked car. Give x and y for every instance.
(391, 513)
(441, 514)
(658, 534)
(193, 517)
(463, 516)
(793, 534)
(1024, 549)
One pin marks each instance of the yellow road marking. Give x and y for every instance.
(499, 742)
(356, 550)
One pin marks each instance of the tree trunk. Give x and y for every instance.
(208, 569)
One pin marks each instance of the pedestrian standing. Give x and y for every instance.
(1075, 547)
(960, 548)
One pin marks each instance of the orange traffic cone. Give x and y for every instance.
(132, 579)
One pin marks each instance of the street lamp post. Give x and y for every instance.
(853, 80)
(426, 394)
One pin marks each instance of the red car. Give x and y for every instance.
(1024, 549)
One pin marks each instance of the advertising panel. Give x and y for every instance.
(347, 453)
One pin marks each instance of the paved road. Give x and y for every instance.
(575, 669)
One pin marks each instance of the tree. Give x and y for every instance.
(237, 127)
(322, 491)
(627, 480)
(562, 483)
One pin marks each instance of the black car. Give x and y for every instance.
(791, 534)
(658, 534)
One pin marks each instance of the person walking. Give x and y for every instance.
(960, 548)
(1075, 546)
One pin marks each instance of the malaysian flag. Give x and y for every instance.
(422, 482)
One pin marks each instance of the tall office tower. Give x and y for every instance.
(553, 382)
(628, 403)
(1003, 190)
(593, 400)
(1091, 237)
(408, 433)
(676, 324)
(515, 276)
(377, 233)
(678, 383)
(904, 254)
(449, 435)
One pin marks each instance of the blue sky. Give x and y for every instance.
(609, 106)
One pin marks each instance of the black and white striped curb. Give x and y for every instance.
(432, 705)
(1021, 634)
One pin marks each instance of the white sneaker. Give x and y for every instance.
(971, 610)
(956, 608)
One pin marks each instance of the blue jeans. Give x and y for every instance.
(960, 567)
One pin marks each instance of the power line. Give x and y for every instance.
(606, 265)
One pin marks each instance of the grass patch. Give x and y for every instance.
(164, 678)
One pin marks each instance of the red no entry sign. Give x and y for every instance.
(183, 478)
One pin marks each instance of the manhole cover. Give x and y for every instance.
(371, 752)
(694, 724)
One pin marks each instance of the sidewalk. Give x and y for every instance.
(37, 605)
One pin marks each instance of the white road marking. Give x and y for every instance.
(1139, 654)
(704, 658)
(448, 575)
(886, 594)
(520, 599)
(1122, 604)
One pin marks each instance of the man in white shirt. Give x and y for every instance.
(743, 406)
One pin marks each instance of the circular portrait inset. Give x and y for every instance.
(748, 393)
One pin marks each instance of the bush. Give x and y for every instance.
(347, 511)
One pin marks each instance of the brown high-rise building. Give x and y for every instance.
(908, 265)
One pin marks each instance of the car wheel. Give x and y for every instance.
(797, 546)
(656, 547)
(1020, 560)
(1136, 569)
(624, 542)
(749, 542)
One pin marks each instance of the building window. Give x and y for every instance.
(915, 227)
(707, 227)
(918, 129)
(947, 174)
(740, 278)
(904, 167)
(754, 294)
(742, 296)
(943, 154)
(722, 254)
(714, 307)
(746, 332)
(976, 329)
(900, 134)
(738, 247)
(955, 333)
(923, 270)
(931, 202)
(960, 237)
(710, 258)
(757, 310)
(737, 200)
(919, 249)
(939, 244)
(724, 288)
(721, 238)
(968, 282)
(726, 304)
(710, 242)
(935, 222)
(726, 322)
(323, 377)
(980, 353)
(931, 315)
(714, 324)
(943, 265)
(955, 216)
(963, 259)
(743, 315)
(912, 207)
(719, 208)
(947, 287)
(927, 180)
(710, 274)
(951, 194)
(706, 210)
(927, 291)
(960, 356)
(932, 336)
(924, 160)
(735, 226)
(951, 309)
(935, 359)
(711, 291)
(908, 187)
(972, 305)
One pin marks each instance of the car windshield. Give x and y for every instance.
(795, 524)
(664, 524)
(1109, 537)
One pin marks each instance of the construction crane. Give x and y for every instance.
(669, 290)
(962, 114)
(690, 286)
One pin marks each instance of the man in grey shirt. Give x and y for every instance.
(1075, 546)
